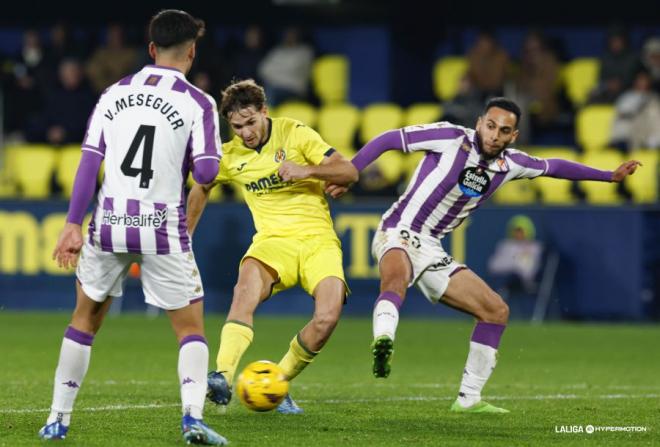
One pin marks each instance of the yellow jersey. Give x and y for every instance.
(293, 208)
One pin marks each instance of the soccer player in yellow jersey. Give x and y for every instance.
(279, 163)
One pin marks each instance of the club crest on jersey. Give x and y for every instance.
(466, 147)
(474, 182)
(280, 156)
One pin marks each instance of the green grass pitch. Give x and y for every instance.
(553, 377)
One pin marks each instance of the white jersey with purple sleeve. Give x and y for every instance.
(149, 127)
(453, 179)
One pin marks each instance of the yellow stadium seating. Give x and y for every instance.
(32, 167)
(643, 184)
(337, 125)
(517, 192)
(330, 78)
(552, 190)
(7, 184)
(422, 113)
(376, 119)
(67, 166)
(593, 124)
(298, 110)
(447, 75)
(580, 77)
(602, 193)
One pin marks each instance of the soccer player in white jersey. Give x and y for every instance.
(151, 128)
(461, 169)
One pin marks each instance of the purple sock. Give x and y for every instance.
(391, 297)
(488, 334)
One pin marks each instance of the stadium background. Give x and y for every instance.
(390, 64)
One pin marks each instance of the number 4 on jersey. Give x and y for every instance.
(145, 172)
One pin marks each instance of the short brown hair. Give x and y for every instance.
(172, 27)
(240, 95)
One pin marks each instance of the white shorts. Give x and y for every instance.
(431, 265)
(170, 281)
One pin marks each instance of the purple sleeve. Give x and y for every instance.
(373, 149)
(205, 170)
(84, 186)
(569, 170)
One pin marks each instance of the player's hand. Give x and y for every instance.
(292, 171)
(335, 191)
(68, 246)
(625, 170)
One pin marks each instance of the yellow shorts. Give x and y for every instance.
(306, 260)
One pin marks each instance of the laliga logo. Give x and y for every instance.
(280, 156)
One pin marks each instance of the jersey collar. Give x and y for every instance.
(158, 68)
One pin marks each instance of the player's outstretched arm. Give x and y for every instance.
(197, 198)
(626, 169)
(569, 170)
(384, 142)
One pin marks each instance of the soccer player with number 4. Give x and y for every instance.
(460, 170)
(151, 128)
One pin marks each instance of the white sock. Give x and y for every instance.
(193, 365)
(385, 319)
(479, 366)
(70, 372)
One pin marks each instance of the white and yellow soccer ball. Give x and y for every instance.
(262, 385)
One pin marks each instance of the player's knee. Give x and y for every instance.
(494, 310)
(498, 311)
(502, 312)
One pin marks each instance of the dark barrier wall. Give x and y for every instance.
(608, 258)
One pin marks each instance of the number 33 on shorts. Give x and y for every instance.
(409, 240)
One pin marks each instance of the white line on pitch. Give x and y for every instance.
(348, 401)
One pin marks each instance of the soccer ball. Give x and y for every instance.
(262, 386)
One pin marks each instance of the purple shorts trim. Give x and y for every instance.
(196, 300)
(457, 269)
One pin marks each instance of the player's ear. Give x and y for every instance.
(478, 123)
(515, 135)
(152, 50)
(264, 110)
(192, 51)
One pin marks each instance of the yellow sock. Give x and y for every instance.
(297, 358)
(234, 341)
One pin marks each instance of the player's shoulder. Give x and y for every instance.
(440, 128)
(284, 124)
(513, 153)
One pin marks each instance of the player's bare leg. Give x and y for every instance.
(469, 293)
(255, 282)
(73, 362)
(395, 274)
(329, 297)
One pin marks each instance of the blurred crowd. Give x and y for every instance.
(628, 78)
(50, 86)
